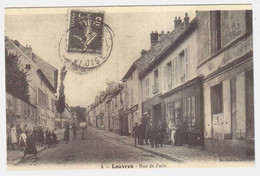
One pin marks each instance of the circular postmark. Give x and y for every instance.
(87, 43)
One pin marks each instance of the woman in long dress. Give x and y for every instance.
(30, 145)
(13, 136)
(22, 140)
(172, 129)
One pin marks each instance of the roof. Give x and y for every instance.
(156, 54)
(46, 68)
(39, 71)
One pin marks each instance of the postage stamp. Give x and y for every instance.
(86, 29)
(88, 41)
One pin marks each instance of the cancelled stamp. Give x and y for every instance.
(86, 31)
(87, 43)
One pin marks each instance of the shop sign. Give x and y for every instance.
(134, 108)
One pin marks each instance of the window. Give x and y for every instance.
(132, 97)
(156, 82)
(41, 97)
(146, 88)
(52, 104)
(215, 31)
(218, 23)
(156, 76)
(216, 95)
(115, 101)
(121, 99)
(181, 62)
(187, 63)
(47, 101)
(175, 71)
(112, 104)
(249, 20)
(27, 66)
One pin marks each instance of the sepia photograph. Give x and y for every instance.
(129, 87)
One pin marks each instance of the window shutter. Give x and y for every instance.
(176, 70)
(165, 78)
(187, 60)
(173, 73)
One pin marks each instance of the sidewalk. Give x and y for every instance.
(179, 154)
(14, 156)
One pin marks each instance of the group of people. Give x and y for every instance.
(26, 139)
(151, 133)
(74, 129)
(23, 138)
(16, 136)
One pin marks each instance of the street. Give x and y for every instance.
(96, 150)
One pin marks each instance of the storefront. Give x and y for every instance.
(123, 121)
(132, 118)
(152, 107)
(184, 105)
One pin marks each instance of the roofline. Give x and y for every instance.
(130, 70)
(165, 52)
(40, 72)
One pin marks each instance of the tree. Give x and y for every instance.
(80, 113)
(16, 77)
(61, 101)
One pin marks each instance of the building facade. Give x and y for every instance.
(172, 88)
(42, 79)
(225, 59)
(133, 88)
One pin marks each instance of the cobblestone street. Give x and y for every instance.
(95, 150)
(103, 149)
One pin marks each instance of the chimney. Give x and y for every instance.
(143, 52)
(154, 38)
(161, 36)
(186, 21)
(28, 51)
(177, 22)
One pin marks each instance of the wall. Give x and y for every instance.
(20, 112)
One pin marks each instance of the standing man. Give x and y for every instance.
(18, 132)
(160, 133)
(141, 134)
(150, 132)
(13, 135)
(74, 130)
(135, 131)
(155, 134)
(67, 133)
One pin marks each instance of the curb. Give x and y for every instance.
(147, 150)
(16, 162)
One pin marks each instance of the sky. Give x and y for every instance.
(42, 28)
